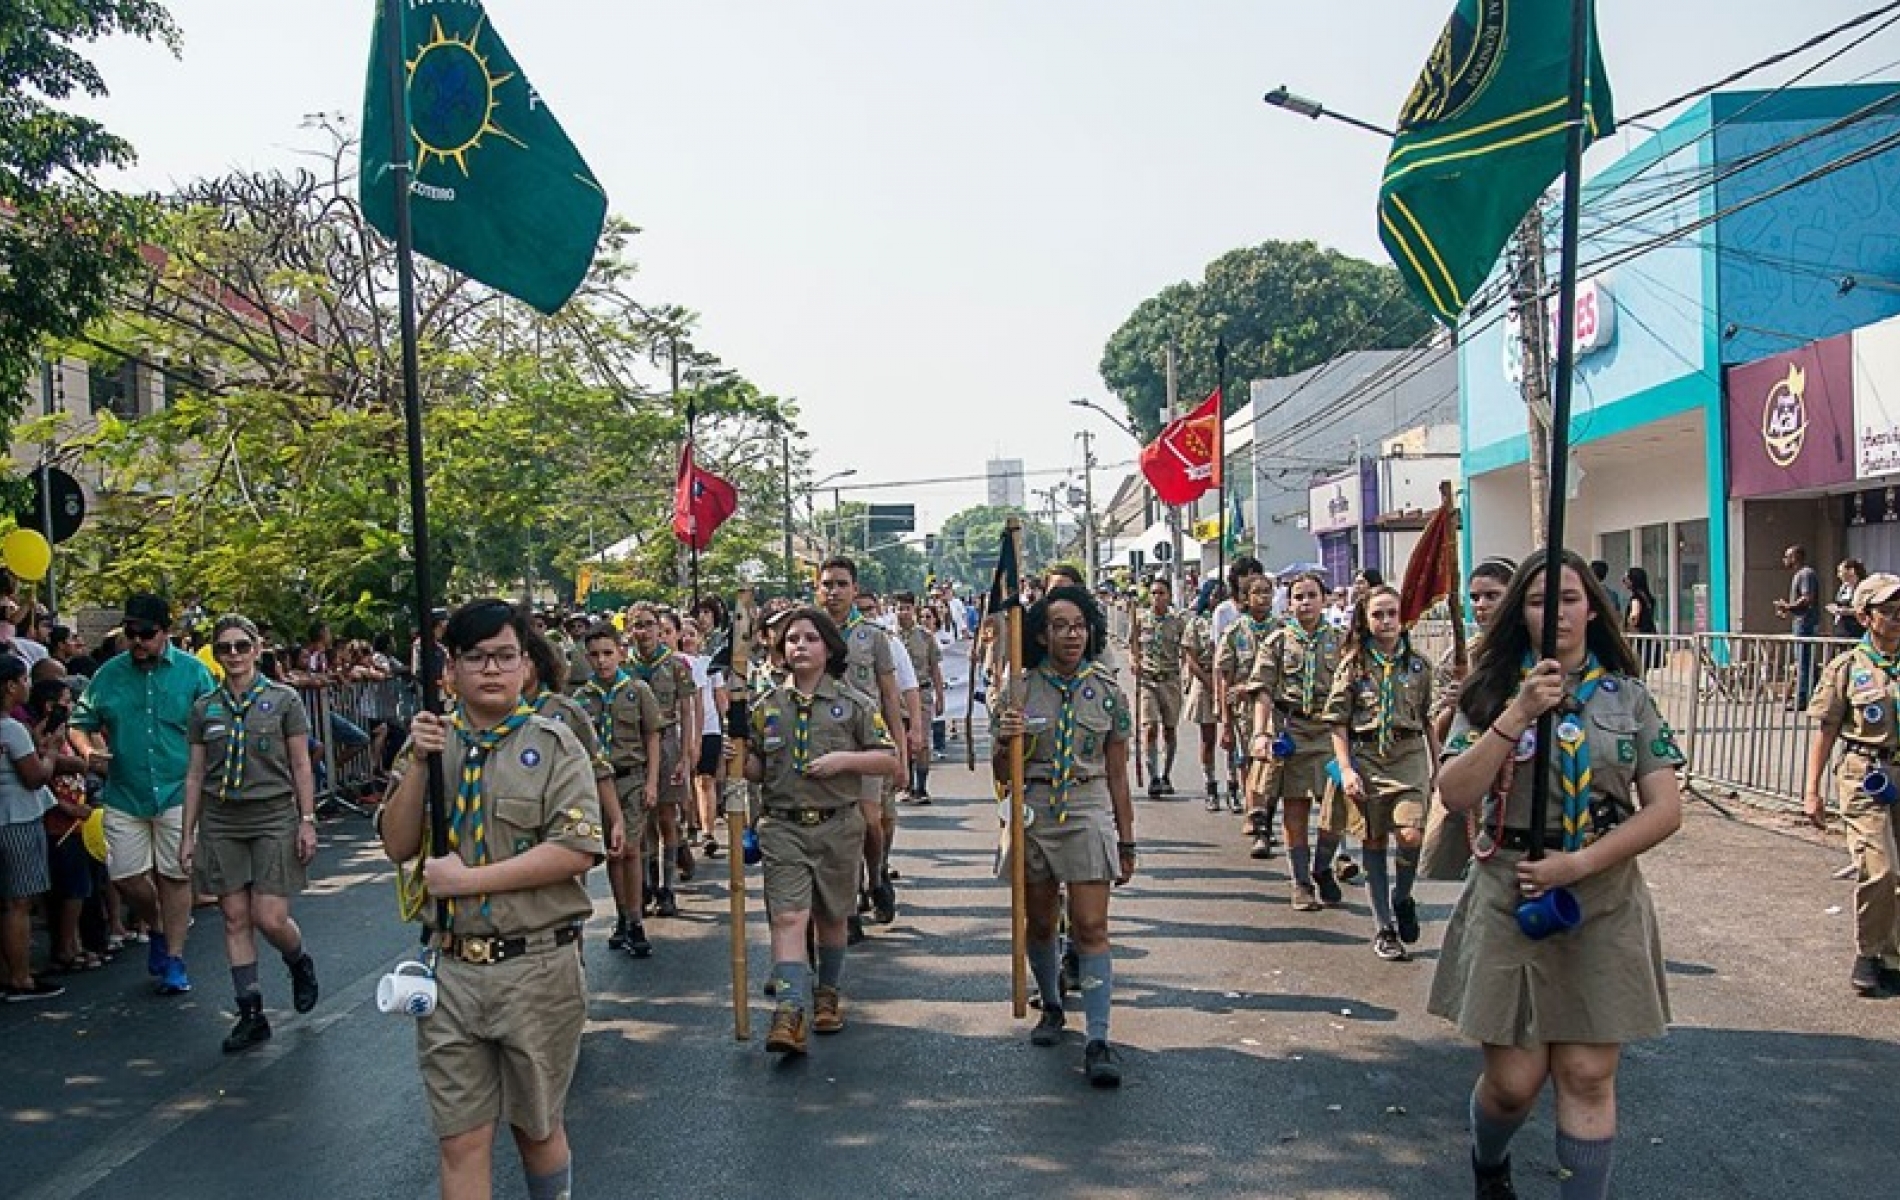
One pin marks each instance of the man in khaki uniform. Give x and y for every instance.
(1858, 704)
(524, 826)
(926, 658)
(1158, 678)
(661, 668)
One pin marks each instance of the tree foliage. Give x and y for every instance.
(65, 243)
(968, 541)
(1281, 307)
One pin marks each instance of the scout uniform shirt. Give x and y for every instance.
(1858, 693)
(868, 654)
(925, 653)
(536, 786)
(671, 679)
(248, 788)
(838, 717)
(579, 722)
(1161, 645)
(1101, 714)
(621, 713)
(1234, 658)
(1197, 646)
(1296, 669)
(1380, 705)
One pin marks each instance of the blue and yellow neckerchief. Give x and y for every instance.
(1062, 753)
(1573, 751)
(801, 729)
(604, 719)
(852, 620)
(470, 818)
(645, 667)
(236, 746)
(1310, 646)
(1388, 697)
(1889, 663)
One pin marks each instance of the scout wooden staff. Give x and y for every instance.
(1018, 852)
(738, 718)
(978, 659)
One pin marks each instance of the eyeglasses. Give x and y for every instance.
(240, 647)
(1068, 628)
(143, 633)
(482, 660)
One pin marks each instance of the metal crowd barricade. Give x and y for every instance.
(1750, 732)
(350, 770)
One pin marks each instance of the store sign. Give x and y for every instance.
(1595, 327)
(1876, 357)
(1333, 504)
(1790, 420)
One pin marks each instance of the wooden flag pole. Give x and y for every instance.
(1454, 598)
(1018, 850)
(737, 723)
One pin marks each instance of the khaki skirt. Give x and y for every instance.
(227, 863)
(1302, 776)
(1200, 703)
(1081, 848)
(1599, 983)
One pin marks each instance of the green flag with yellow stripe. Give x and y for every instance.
(1479, 139)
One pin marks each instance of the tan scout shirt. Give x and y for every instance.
(261, 803)
(537, 786)
(634, 713)
(1856, 694)
(1197, 642)
(868, 654)
(842, 718)
(1353, 699)
(1280, 669)
(1161, 644)
(671, 679)
(925, 653)
(580, 723)
(1628, 739)
(1102, 714)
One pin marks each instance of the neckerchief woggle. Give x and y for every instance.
(236, 746)
(1573, 751)
(470, 818)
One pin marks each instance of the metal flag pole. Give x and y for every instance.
(1220, 466)
(400, 169)
(1560, 403)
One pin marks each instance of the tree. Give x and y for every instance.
(65, 243)
(1281, 307)
(967, 543)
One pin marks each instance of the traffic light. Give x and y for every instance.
(930, 545)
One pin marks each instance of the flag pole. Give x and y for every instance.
(978, 662)
(1018, 872)
(1454, 600)
(1220, 466)
(399, 166)
(1560, 403)
(738, 728)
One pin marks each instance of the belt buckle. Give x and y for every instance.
(809, 816)
(479, 950)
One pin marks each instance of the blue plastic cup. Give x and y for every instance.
(1556, 911)
(749, 847)
(1880, 788)
(1332, 771)
(1283, 745)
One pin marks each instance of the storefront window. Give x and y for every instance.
(1653, 541)
(1692, 569)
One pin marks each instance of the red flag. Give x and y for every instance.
(1184, 462)
(701, 502)
(1428, 576)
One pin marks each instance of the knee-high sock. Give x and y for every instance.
(1490, 1134)
(1302, 856)
(1379, 887)
(1098, 989)
(1585, 1172)
(1045, 963)
(555, 1185)
(1406, 861)
(794, 981)
(1325, 849)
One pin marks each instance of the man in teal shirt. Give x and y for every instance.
(130, 725)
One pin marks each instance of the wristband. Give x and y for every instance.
(1125, 848)
(1493, 728)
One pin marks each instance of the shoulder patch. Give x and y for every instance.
(530, 757)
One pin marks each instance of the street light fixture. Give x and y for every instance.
(1117, 422)
(837, 502)
(1302, 106)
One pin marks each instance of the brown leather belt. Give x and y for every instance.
(485, 951)
(805, 816)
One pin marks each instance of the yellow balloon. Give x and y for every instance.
(92, 833)
(27, 554)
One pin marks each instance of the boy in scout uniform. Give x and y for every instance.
(1858, 704)
(1158, 679)
(814, 741)
(626, 722)
(926, 658)
(659, 667)
(1380, 710)
(523, 828)
(544, 688)
(1197, 655)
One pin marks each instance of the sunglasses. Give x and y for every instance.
(240, 647)
(143, 633)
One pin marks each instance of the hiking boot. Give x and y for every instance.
(1048, 1030)
(883, 904)
(1327, 884)
(303, 984)
(789, 1029)
(827, 1010)
(172, 981)
(1386, 945)
(617, 940)
(1866, 976)
(251, 1028)
(683, 861)
(666, 906)
(1493, 1183)
(1405, 912)
(1101, 1064)
(637, 944)
(1304, 899)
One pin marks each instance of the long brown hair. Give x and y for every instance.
(1360, 635)
(1508, 639)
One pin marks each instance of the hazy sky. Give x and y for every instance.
(924, 220)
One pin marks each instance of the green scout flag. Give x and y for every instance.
(499, 193)
(1480, 138)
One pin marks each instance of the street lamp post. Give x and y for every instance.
(1302, 106)
(1088, 452)
(837, 502)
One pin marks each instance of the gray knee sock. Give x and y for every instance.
(1302, 856)
(555, 1185)
(1490, 1135)
(1325, 849)
(1379, 888)
(669, 868)
(1406, 860)
(244, 981)
(830, 965)
(1584, 1167)
(794, 979)
(1045, 963)
(1098, 988)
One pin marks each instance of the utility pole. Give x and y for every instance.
(51, 592)
(1088, 507)
(1527, 300)
(785, 441)
(1174, 511)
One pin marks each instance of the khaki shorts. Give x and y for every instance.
(135, 845)
(813, 867)
(1161, 702)
(502, 1042)
(1397, 788)
(672, 793)
(225, 864)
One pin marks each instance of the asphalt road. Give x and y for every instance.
(1269, 1054)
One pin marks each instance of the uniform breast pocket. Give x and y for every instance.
(517, 824)
(1872, 709)
(1613, 751)
(1093, 727)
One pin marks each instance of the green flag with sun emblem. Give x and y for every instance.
(499, 192)
(1479, 139)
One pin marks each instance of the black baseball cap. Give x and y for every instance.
(149, 609)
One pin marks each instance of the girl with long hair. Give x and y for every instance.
(1291, 678)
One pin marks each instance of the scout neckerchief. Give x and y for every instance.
(801, 729)
(604, 719)
(645, 667)
(1063, 753)
(237, 744)
(1573, 751)
(1888, 663)
(1310, 646)
(470, 818)
(1388, 697)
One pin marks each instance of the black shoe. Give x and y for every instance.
(710, 847)
(1890, 980)
(1405, 912)
(303, 984)
(1236, 803)
(864, 901)
(883, 904)
(251, 1028)
(1213, 797)
(1346, 869)
(1167, 786)
(854, 930)
(683, 861)
(1866, 976)
(637, 944)
(1493, 1183)
(1154, 786)
(1048, 1030)
(1069, 978)
(667, 905)
(38, 989)
(617, 940)
(1102, 1065)
(1328, 885)
(1386, 945)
